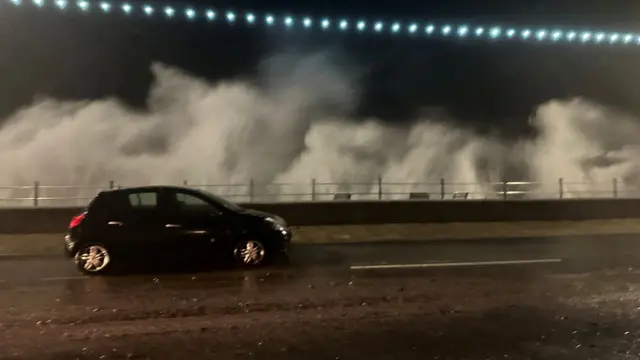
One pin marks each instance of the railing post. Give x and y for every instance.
(505, 185)
(112, 184)
(442, 189)
(379, 187)
(251, 190)
(615, 188)
(560, 188)
(313, 189)
(36, 192)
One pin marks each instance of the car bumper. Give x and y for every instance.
(284, 237)
(69, 245)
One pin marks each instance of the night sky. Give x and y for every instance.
(490, 85)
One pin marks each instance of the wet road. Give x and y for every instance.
(571, 298)
(581, 253)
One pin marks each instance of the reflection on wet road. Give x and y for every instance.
(577, 253)
(551, 298)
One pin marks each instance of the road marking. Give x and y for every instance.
(27, 255)
(65, 278)
(456, 264)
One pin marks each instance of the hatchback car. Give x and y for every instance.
(156, 223)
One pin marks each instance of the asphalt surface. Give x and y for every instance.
(562, 298)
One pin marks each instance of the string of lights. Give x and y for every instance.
(428, 29)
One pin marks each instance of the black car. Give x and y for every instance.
(156, 223)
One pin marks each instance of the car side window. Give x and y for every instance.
(191, 203)
(143, 200)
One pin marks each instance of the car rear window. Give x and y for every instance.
(95, 202)
(98, 207)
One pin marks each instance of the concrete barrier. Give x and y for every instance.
(55, 220)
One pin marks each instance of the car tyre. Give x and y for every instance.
(250, 253)
(93, 259)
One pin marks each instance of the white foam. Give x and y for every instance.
(294, 128)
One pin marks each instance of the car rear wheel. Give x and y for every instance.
(93, 259)
(250, 253)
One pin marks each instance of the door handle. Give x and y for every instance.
(172, 226)
(197, 232)
(116, 223)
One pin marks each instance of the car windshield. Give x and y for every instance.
(221, 201)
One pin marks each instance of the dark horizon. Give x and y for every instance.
(67, 55)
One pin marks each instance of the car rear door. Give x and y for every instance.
(137, 224)
(197, 227)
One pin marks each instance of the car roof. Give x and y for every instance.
(149, 188)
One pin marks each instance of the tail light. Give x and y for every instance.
(77, 220)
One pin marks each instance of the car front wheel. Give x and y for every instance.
(250, 253)
(93, 259)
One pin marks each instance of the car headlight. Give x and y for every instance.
(277, 222)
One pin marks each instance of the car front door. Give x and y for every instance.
(196, 227)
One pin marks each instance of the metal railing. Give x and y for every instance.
(40, 195)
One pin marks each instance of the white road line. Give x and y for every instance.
(65, 278)
(9, 256)
(456, 264)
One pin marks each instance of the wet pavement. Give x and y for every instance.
(569, 298)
